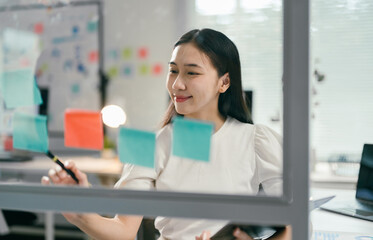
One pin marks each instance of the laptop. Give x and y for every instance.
(362, 206)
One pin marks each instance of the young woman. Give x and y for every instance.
(204, 83)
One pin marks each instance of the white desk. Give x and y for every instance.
(333, 226)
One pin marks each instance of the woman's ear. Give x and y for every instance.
(225, 83)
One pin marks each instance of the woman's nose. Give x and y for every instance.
(179, 83)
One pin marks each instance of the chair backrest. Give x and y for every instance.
(3, 225)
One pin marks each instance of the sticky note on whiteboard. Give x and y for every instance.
(192, 139)
(83, 129)
(30, 132)
(19, 88)
(136, 147)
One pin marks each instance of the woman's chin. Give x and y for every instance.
(181, 111)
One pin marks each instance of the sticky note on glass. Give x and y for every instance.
(83, 129)
(19, 88)
(136, 147)
(30, 132)
(191, 139)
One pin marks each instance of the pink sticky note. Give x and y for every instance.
(157, 69)
(38, 28)
(83, 129)
(93, 56)
(143, 53)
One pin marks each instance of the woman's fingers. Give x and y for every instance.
(82, 177)
(241, 235)
(53, 175)
(45, 180)
(58, 175)
(204, 236)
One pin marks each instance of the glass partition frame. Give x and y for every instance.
(291, 208)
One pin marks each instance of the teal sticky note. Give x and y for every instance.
(19, 88)
(30, 132)
(191, 139)
(136, 147)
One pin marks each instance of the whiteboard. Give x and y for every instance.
(69, 58)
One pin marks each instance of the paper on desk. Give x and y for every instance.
(313, 204)
(329, 235)
(191, 139)
(136, 147)
(83, 129)
(30, 132)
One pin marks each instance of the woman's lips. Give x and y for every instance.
(181, 98)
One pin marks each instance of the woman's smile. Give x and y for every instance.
(181, 99)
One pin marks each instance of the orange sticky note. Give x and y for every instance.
(83, 129)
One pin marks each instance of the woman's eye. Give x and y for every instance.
(173, 71)
(193, 73)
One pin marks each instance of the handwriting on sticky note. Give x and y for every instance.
(192, 139)
(83, 129)
(30, 132)
(136, 147)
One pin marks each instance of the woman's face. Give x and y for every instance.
(193, 83)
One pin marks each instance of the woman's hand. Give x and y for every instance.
(241, 235)
(204, 236)
(58, 176)
(237, 233)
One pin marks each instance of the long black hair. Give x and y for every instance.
(224, 56)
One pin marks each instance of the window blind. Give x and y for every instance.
(341, 51)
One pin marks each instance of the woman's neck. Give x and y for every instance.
(218, 120)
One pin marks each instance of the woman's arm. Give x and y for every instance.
(98, 227)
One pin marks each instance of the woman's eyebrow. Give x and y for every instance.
(192, 65)
(186, 65)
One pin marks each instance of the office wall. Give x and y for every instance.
(139, 36)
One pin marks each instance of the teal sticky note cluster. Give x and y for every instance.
(191, 139)
(18, 88)
(30, 132)
(136, 147)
